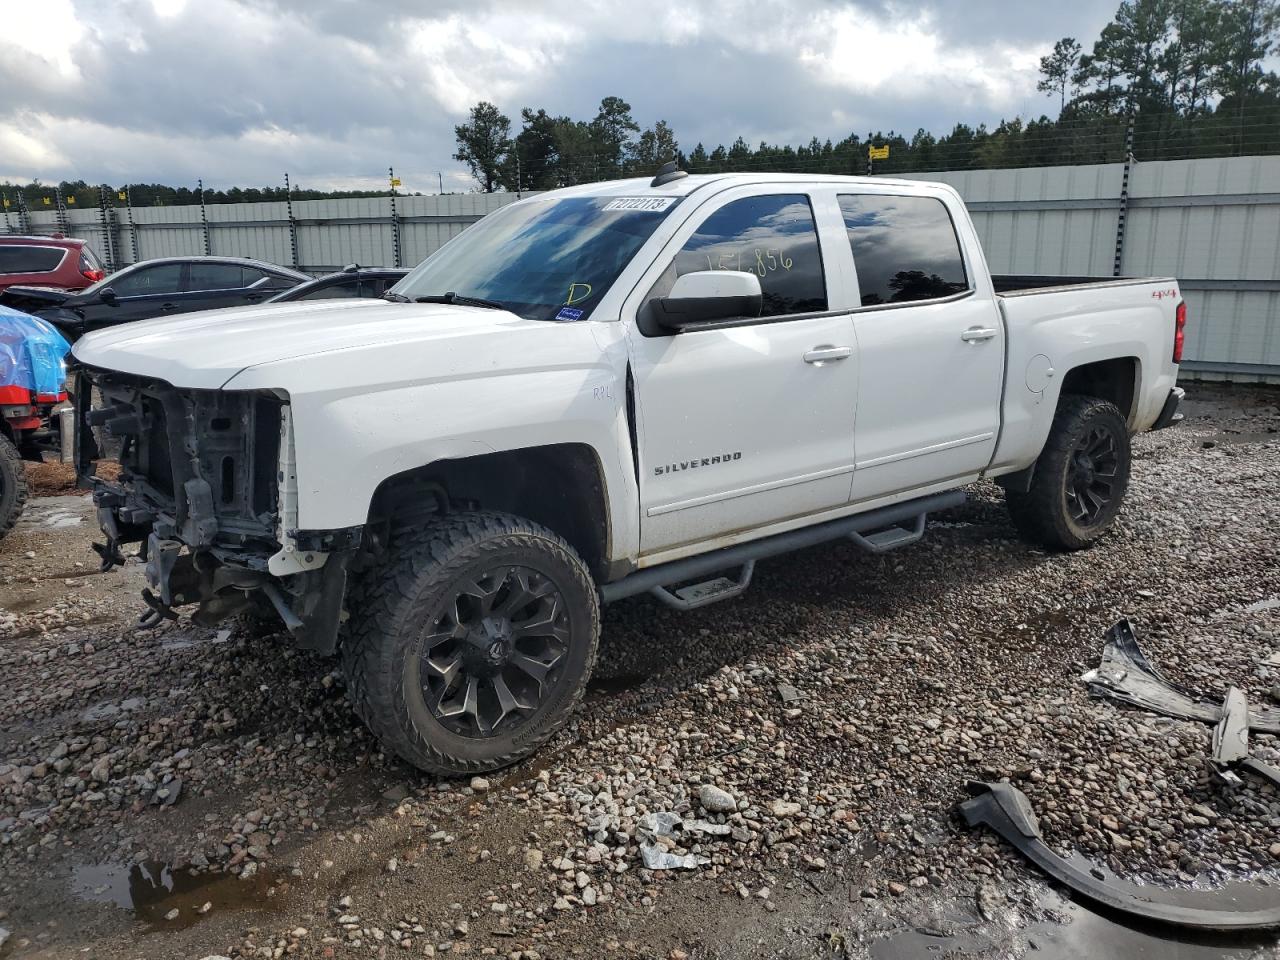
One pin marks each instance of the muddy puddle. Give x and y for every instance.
(152, 891)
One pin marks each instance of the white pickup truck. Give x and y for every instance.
(638, 386)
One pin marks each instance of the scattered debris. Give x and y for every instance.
(1005, 809)
(788, 693)
(1125, 674)
(652, 829)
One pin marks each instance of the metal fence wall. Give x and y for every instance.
(329, 233)
(1213, 224)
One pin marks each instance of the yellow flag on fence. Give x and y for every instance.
(71, 200)
(6, 202)
(120, 195)
(877, 153)
(395, 181)
(47, 201)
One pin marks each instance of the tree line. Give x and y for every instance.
(1186, 78)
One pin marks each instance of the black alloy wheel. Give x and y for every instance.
(493, 654)
(1091, 476)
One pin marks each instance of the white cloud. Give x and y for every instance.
(237, 91)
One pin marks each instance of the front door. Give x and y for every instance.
(749, 422)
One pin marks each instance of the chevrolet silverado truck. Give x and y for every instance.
(633, 387)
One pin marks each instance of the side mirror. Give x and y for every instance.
(108, 296)
(705, 295)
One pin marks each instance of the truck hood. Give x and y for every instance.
(206, 350)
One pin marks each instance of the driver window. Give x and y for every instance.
(162, 278)
(773, 237)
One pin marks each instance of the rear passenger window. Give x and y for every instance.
(774, 238)
(30, 259)
(905, 249)
(215, 276)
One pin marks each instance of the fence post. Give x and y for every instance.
(60, 211)
(133, 227)
(105, 218)
(24, 215)
(293, 227)
(395, 221)
(1123, 213)
(204, 219)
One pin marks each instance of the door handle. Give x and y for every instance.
(168, 306)
(978, 334)
(826, 354)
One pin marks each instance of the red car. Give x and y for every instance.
(61, 262)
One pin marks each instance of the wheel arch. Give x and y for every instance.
(1116, 379)
(561, 486)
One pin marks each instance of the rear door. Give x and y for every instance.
(750, 422)
(211, 285)
(931, 343)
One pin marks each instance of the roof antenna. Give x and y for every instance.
(666, 173)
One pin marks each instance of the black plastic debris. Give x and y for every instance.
(1126, 675)
(1006, 810)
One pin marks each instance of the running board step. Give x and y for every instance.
(697, 595)
(890, 538)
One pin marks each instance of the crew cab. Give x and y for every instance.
(617, 388)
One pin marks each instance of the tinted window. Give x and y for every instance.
(30, 259)
(216, 276)
(162, 278)
(904, 248)
(772, 237)
(338, 291)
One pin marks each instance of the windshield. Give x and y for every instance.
(550, 259)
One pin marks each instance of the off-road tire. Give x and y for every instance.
(13, 485)
(1042, 514)
(392, 605)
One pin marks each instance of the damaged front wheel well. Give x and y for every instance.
(560, 486)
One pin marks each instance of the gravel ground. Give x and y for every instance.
(188, 792)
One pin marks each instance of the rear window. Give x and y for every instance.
(905, 249)
(30, 259)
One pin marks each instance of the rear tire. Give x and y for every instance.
(472, 642)
(1080, 478)
(13, 485)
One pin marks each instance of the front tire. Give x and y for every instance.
(1080, 478)
(472, 642)
(13, 485)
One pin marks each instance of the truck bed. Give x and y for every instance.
(1020, 285)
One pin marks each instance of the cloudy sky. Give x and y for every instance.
(335, 91)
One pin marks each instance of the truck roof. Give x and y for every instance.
(640, 186)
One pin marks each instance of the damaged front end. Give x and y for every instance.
(208, 490)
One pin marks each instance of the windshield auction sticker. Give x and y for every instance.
(641, 204)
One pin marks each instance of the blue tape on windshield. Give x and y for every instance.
(569, 313)
(32, 353)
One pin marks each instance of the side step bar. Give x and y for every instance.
(886, 520)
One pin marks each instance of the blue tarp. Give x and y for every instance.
(32, 353)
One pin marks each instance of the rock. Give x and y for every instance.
(784, 808)
(897, 889)
(533, 859)
(4, 935)
(1275, 850)
(479, 784)
(715, 800)
(590, 896)
(172, 914)
(393, 865)
(397, 793)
